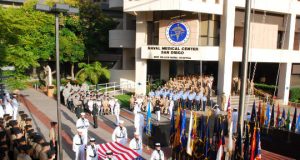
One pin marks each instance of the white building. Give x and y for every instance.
(172, 37)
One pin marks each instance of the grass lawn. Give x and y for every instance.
(124, 100)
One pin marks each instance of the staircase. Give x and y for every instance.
(234, 101)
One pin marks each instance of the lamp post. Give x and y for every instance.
(56, 10)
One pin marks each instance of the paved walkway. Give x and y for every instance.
(43, 110)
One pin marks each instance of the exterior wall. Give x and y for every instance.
(164, 70)
(208, 6)
(121, 38)
(128, 59)
(125, 77)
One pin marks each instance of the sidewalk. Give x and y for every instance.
(43, 109)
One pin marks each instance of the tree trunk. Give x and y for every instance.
(72, 71)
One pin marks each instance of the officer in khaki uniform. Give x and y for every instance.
(52, 135)
(43, 153)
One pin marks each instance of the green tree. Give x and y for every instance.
(92, 72)
(72, 48)
(95, 26)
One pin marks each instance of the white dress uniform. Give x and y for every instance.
(136, 145)
(136, 108)
(117, 112)
(234, 121)
(83, 124)
(90, 104)
(1, 111)
(171, 108)
(111, 103)
(120, 135)
(15, 105)
(92, 152)
(139, 123)
(8, 108)
(157, 155)
(78, 144)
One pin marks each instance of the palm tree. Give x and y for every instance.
(92, 72)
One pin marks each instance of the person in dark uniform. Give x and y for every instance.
(95, 114)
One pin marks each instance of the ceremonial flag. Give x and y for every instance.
(230, 143)
(267, 116)
(253, 144)
(189, 143)
(246, 143)
(207, 140)
(277, 116)
(177, 125)
(258, 145)
(259, 113)
(262, 116)
(229, 111)
(298, 125)
(238, 144)
(253, 114)
(172, 129)
(220, 150)
(283, 114)
(183, 139)
(294, 120)
(272, 117)
(148, 120)
(288, 121)
(202, 128)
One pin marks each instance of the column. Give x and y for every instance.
(141, 64)
(290, 35)
(180, 67)
(284, 82)
(226, 45)
(128, 56)
(164, 70)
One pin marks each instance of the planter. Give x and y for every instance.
(293, 104)
(50, 91)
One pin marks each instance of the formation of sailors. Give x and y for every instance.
(18, 139)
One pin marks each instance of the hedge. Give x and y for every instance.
(265, 87)
(295, 95)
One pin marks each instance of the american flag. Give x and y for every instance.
(229, 109)
(120, 152)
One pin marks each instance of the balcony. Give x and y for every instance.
(203, 6)
(121, 38)
(115, 4)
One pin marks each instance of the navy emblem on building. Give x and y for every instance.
(177, 32)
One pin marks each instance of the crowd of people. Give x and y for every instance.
(18, 139)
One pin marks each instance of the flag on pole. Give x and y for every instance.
(207, 140)
(238, 144)
(246, 143)
(259, 113)
(277, 116)
(230, 143)
(220, 150)
(176, 142)
(294, 120)
(148, 120)
(262, 116)
(172, 129)
(253, 144)
(253, 114)
(298, 125)
(283, 114)
(194, 131)
(189, 150)
(268, 114)
(229, 110)
(183, 139)
(288, 121)
(272, 117)
(258, 145)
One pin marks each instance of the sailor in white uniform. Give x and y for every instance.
(120, 134)
(8, 107)
(79, 142)
(117, 112)
(109, 155)
(15, 105)
(234, 120)
(139, 123)
(157, 154)
(136, 143)
(171, 106)
(2, 112)
(92, 150)
(83, 123)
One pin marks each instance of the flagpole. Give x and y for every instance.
(244, 64)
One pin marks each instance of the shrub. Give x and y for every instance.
(265, 87)
(295, 94)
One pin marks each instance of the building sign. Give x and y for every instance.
(171, 52)
(177, 32)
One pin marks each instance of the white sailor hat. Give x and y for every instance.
(92, 139)
(79, 130)
(121, 122)
(136, 133)
(157, 144)
(109, 152)
(82, 113)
